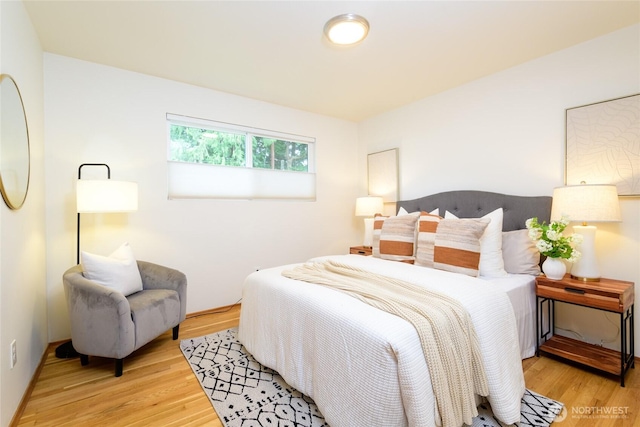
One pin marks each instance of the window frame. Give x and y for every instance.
(256, 173)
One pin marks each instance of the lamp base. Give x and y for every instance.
(368, 233)
(586, 268)
(66, 351)
(585, 279)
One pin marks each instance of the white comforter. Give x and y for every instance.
(363, 366)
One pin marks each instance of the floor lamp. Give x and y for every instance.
(99, 196)
(586, 203)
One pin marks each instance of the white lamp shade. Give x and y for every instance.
(369, 206)
(106, 195)
(586, 203)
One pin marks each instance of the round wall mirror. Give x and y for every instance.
(14, 144)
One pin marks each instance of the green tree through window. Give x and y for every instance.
(197, 145)
(269, 153)
(218, 147)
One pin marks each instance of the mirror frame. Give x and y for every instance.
(15, 201)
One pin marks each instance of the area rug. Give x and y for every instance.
(245, 393)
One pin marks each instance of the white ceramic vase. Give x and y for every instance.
(554, 268)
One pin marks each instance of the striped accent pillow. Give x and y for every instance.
(394, 237)
(427, 226)
(457, 245)
(378, 220)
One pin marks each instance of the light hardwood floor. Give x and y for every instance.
(158, 388)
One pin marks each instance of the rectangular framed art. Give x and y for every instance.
(382, 173)
(603, 144)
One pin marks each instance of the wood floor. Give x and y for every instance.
(158, 388)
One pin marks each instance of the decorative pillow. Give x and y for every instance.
(403, 211)
(119, 271)
(457, 245)
(427, 226)
(394, 237)
(491, 262)
(520, 253)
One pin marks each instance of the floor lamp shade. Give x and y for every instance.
(106, 195)
(586, 203)
(368, 207)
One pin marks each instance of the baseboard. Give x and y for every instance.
(218, 310)
(32, 384)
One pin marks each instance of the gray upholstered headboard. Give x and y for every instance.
(475, 204)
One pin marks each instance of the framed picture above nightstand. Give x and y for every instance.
(361, 250)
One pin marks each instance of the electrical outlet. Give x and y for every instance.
(14, 354)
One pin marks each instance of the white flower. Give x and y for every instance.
(553, 235)
(544, 246)
(550, 241)
(577, 238)
(575, 255)
(535, 234)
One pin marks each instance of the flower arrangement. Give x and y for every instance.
(550, 241)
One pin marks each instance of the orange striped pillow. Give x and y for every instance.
(394, 237)
(457, 245)
(427, 226)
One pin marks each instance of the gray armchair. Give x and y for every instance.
(105, 323)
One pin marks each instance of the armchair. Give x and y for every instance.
(105, 323)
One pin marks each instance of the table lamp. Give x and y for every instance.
(586, 203)
(367, 207)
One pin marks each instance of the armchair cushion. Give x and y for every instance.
(153, 311)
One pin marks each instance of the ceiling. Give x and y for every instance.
(275, 51)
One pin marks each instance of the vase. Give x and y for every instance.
(554, 268)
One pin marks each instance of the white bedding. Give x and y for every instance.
(365, 367)
(521, 290)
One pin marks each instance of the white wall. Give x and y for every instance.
(506, 133)
(100, 114)
(22, 251)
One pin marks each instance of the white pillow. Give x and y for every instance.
(403, 211)
(119, 271)
(491, 262)
(520, 253)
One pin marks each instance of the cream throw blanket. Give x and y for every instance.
(447, 336)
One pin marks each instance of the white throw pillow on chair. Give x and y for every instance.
(119, 271)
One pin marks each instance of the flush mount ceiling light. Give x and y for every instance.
(346, 29)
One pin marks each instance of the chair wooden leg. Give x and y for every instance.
(118, 367)
(84, 359)
(176, 330)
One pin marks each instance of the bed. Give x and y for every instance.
(365, 367)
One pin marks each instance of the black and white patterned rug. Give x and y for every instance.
(245, 393)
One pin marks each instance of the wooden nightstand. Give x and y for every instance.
(360, 250)
(615, 296)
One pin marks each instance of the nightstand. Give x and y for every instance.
(360, 250)
(615, 296)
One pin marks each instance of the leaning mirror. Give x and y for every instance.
(14, 144)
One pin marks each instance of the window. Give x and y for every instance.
(209, 159)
